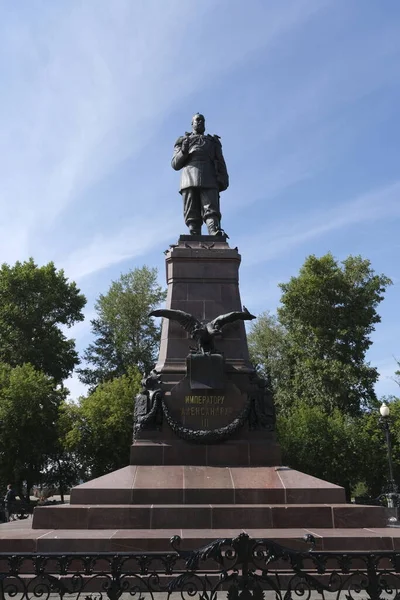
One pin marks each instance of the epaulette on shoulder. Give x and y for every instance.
(179, 140)
(217, 137)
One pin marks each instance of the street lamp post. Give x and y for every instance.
(392, 487)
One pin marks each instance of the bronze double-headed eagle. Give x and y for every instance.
(203, 332)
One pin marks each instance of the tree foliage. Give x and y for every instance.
(269, 352)
(64, 467)
(125, 335)
(34, 303)
(29, 404)
(316, 346)
(101, 434)
(397, 373)
(321, 444)
(314, 352)
(339, 448)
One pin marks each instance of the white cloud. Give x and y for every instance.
(91, 83)
(80, 330)
(382, 203)
(386, 386)
(75, 387)
(105, 250)
(351, 73)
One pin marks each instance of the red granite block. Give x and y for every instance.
(203, 269)
(143, 540)
(19, 540)
(147, 453)
(179, 291)
(350, 515)
(76, 541)
(204, 291)
(213, 310)
(315, 496)
(207, 485)
(178, 348)
(176, 453)
(293, 538)
(174, 330)
(383, 532)
(62, 516)
(230, 295)
(305, 489)
(241, 516)
(115, 487)
(257, 485)
(288, 516)
(182, 516)
(158, 485)
(228, 454)
(353, 539)
(196, 538)
(265, 453)
(119, 517)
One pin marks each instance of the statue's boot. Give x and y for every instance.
(214, 226)
(194, 227)
(194, 231)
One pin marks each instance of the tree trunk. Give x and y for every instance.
(60, 481)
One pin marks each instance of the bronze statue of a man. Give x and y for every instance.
(203, 177)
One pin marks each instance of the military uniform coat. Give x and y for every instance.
(204, 165)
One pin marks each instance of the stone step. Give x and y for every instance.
(185, 484)
(208, 516)
(14, 538)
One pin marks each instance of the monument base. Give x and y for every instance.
(139, 508)
(202, 491)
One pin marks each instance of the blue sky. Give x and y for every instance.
(304, 93)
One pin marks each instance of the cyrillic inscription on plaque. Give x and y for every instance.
(211, 410)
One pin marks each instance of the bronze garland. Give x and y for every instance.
(207, 436)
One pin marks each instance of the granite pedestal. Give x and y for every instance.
(202, 275)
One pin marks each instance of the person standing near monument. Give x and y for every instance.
(204, 176)
(9, 502)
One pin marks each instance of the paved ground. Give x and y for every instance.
(19, 524)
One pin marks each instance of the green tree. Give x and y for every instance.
(372, 447)
(342, 449)
(397, 373)
(314, 352)
(63, 468)
(268, 347)
(101, 435)
(316, 348)
(374, 469)
(29, 404)
(34, 303)
(125, 334)
(321, 444)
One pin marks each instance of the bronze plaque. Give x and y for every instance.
(205, 409)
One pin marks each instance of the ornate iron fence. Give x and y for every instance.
(242, 568)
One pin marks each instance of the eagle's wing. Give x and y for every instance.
(188, 322)
(236, 315)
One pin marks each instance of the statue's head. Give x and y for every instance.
(198, 123)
